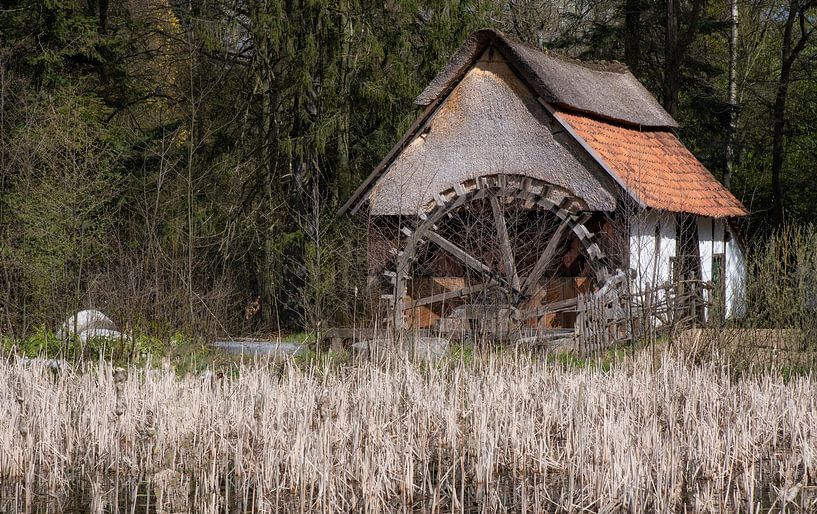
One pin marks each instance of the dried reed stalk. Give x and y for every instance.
(501, 433)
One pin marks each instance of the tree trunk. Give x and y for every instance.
(103, 16)
(778, 150)
(632, 34)
(676, 44)
(733, 96)
(672, 61)
(790, 50)
(269, 269)
(268, 160)
(344, 178)
(190, 196)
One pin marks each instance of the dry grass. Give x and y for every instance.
(497, 434)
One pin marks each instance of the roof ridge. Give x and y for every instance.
(601, 65)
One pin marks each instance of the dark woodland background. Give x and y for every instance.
(179, 164)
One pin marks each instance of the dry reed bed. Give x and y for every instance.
(500, 434)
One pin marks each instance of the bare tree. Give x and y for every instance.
(733, 93)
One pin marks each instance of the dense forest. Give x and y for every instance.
(180, 164)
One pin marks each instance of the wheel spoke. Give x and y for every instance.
(470, 261)
(545, 259)
(508, 264)
(448, 295)
(465, 257)
(566, 305)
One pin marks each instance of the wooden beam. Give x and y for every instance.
(505, 244)
(547, 256)
(567, 305)
(448, 295)
(470, 261)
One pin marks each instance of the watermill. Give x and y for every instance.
(531, 193)
(484, 255)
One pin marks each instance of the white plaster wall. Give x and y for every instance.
(654, 268)
(711, 242)
(651, 266)
(735, 279)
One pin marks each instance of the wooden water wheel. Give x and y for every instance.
(505, 239)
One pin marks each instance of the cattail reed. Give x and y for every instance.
(499, 434)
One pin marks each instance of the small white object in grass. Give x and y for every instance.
(83, 321)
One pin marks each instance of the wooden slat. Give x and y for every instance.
(567, 305)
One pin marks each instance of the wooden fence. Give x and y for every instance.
(617, 313)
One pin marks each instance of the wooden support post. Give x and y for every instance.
(580, 328)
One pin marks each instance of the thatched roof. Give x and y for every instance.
(490, 123)
(607, 90)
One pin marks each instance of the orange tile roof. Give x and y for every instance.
(656, 167)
